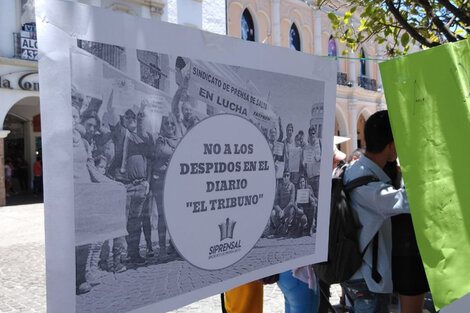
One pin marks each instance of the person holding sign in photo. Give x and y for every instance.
(311, 159)
(182, 105)
(295, 158)
(308, 203)
(289, 143)
(277, 148)
(164, 147)
(282, 215)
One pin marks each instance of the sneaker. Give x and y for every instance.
(137, 260)
(103, 265)
(120, 268)
(171, 248)
(150, 252)
(83, 288)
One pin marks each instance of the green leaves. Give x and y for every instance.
(333, 18)
(405, 39)
(398, 25)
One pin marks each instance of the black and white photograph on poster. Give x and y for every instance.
(187, 145)
(189, 174)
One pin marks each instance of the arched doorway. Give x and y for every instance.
(247, 26)
(361, 122)
(294, 38)
(22, 147)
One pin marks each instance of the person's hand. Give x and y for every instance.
(270, 279)
(147, 187)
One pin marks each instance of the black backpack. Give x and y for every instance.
(344, 255)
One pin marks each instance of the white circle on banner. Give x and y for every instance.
(219, 191)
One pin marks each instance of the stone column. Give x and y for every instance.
(352, 106)
(352, 69)
(380, 53)
(276, 22)
(317, 14)
(3, 198)
(29, 147)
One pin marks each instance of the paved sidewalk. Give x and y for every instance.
(22, 267)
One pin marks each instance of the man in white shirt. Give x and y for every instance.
(374, 204)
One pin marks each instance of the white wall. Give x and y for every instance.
(170, 12)
(189, 12)
(214, 16)
(8, 26)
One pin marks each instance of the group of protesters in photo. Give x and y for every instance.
(297, 166)
(124, 153)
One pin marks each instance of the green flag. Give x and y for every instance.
(428, 98)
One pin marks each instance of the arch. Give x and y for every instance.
(285, 27)
(361, 119)
(307, 39)
(264, 29)
(341, 118)
(247, 26)
(364, 111)
(235, 12)
(11, 97)
(295, 40)
(24, 139)
(296, 17)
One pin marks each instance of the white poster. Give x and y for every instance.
(166, 174)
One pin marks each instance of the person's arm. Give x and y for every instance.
(281, 132)
(317, 149)
(292, 194)
(386, 200)
(312, 198)
(180, 92)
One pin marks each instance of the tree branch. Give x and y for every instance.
(437, 21)
(413, 33)
(456, 11)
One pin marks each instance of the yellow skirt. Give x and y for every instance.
(246, 298)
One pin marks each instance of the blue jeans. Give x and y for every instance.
(134, 205)
(365, 301)
(298, 297)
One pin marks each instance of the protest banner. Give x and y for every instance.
(309, 155)
(303, 195)
(427, 95)
(128, 129)
(278, 148)
(227, 94)
(295, 154)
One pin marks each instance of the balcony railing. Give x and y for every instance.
(342, 79)
(17, 45)
(367, 83)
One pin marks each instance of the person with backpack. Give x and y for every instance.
(409, 277)
(374, 203)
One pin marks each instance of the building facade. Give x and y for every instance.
(292, 24)
(20, 137)
(300, 26)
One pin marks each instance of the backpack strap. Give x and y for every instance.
(375, 250)
(361, 181)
